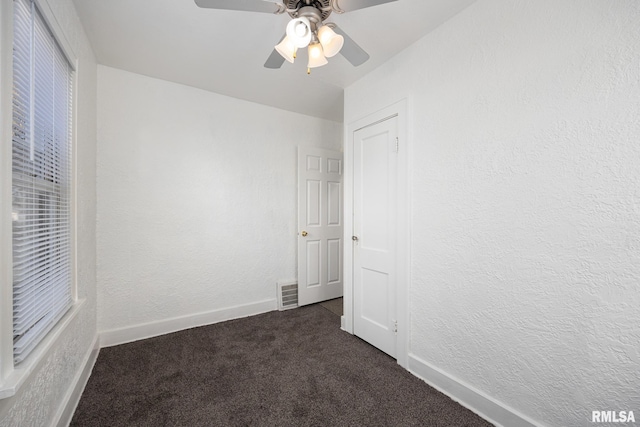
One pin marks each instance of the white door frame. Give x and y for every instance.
(403, 248)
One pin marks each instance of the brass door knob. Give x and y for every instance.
(304, 234)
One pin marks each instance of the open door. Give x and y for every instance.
(375, 234)
(320, 225)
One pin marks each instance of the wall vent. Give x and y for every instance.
(287, 295)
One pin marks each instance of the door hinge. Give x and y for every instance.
(395, 326)
(397, 144)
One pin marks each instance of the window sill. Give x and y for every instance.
(12, 383)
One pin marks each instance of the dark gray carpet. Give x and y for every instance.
(291, 368)
(334, 305)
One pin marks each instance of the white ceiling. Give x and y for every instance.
(224, 51)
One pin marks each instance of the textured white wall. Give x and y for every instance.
(525, 182)
(38, 401)
(196, 198)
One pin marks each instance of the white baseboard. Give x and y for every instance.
(72, 397)
(474, 400)
(153, 329)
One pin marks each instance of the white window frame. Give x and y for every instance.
(13, 377)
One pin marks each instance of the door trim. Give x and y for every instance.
(403, 247)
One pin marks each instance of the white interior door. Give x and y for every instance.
(374, 227)
(319, 225)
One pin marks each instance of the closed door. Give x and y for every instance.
(320, 225)
(374, 240)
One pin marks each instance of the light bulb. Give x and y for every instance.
(316, 56)
(301, 29)
(286, 49)
(330, 41)
(299, 32)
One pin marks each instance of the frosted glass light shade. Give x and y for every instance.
(316, 56)
(330, 41)
(286, 49)
(299, 32)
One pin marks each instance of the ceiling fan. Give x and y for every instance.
(306, 28)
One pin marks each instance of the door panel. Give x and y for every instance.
(319, 225)
(313, 263)
(334, 201)
(313, 202)
(334, 259)
(374, 251)
(374, 309)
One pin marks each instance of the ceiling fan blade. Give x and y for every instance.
(274, 61)
(350, 49)
(341, 6)
(243, 5)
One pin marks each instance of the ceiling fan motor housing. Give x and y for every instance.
(323, 8)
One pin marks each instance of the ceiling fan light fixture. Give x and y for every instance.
(286, 49)
(330, 41)
(299, 32)
(316, 56)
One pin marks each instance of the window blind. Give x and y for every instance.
(41, 180)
